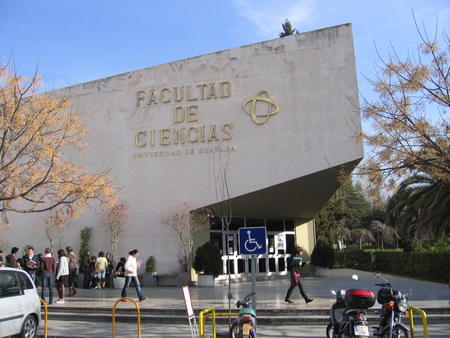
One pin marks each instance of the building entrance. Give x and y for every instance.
(280, 245)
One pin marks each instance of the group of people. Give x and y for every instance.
(44, 269)
(98, 271)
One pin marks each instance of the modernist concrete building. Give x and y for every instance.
(278, 115)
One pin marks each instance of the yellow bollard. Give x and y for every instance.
(123, 299)
(211, 312)
(411, 311)
(45, 317)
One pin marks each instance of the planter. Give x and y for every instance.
(150, 280)
(206, 280)
(322, 272)
(118, 282)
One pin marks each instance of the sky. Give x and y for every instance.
(75, 41)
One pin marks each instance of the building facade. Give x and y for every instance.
(268, 127)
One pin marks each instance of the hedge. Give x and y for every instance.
(432, 266)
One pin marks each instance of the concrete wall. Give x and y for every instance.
(309, 77)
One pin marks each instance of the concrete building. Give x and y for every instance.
(274, 119)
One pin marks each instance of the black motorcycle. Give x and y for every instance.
(348, 316)
(394, 306)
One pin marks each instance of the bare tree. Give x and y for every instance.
(186, 222)
(36, 132)
(113, 219)
(56, 221)
(410, 128)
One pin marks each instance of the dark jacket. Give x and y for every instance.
(120, 268)
(10, 261)
(30, 264)
(296, 264)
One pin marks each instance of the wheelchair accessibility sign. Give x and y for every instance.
(252, 241)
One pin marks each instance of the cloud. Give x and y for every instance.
(268, 15)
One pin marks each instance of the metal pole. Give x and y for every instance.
(254, 281)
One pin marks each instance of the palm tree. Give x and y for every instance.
(343, 235)
(363, 236)
(287, 29)
(419, 208)
(383, 233)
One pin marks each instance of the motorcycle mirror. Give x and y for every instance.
(355, 277)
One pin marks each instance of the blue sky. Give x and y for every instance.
(77, 41)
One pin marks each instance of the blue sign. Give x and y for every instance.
(252, 241)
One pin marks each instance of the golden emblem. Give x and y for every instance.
(250, 107)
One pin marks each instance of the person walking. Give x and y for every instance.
(73, 270)
(131, 267)
(102, 263)
(48, 267)
(30, 263)
(62, 275)
(295, 275)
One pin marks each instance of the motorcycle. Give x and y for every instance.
(245, 324)
(348, 317)
(394, 306)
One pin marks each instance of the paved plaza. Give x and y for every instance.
(270, 295)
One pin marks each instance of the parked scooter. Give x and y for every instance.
(245, 325)
(394, 305)
(348, 316)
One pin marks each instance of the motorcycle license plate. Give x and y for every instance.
(246, 329)
(361, 330)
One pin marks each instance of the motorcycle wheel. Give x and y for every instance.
(236, 331)
(330, 331)
(399, 332)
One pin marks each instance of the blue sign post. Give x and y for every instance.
(253, 241)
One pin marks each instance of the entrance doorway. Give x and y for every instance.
(280, 245)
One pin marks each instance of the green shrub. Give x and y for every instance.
(208, 260)
(150, 264)
(323, 255)
(432, 266)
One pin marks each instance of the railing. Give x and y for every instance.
(124, 299)
(411, 311)
(45, 317)
(211, 312)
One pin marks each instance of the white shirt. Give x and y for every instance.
(63, 267)
(131, 267)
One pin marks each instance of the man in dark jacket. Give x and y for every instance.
(30, 263)
(10, 260)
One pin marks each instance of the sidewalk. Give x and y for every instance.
(270, 294)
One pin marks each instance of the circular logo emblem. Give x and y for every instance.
(263, 96)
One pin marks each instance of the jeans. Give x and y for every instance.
(47, 277)
(136, 285)
(101, 274)
(32, 275)
(87, 278)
